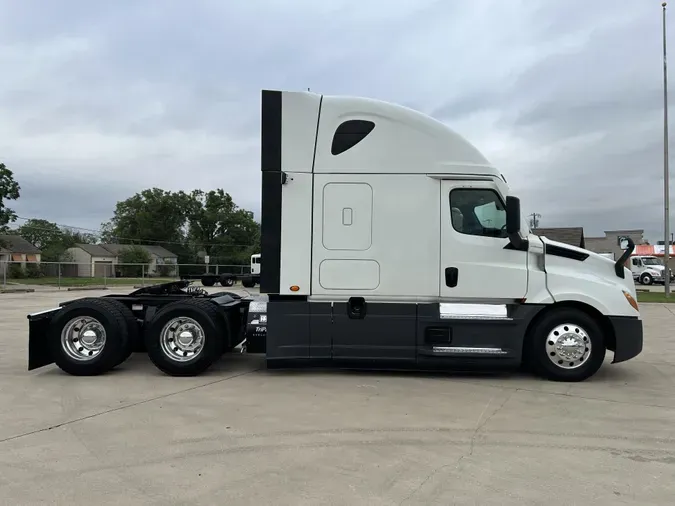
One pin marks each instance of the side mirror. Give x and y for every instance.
(512, 215)
(513, 223)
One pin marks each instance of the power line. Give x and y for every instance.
(98, 233)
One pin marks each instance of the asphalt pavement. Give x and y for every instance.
(243, 435)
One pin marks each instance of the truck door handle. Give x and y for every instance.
(451, 275)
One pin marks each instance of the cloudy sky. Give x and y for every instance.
(99, 100)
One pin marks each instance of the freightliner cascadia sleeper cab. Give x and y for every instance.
(389, 241)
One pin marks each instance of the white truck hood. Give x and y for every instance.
(589, 277)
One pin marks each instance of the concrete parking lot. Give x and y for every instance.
(244, 435)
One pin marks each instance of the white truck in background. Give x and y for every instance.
(389, 241)
(228, 279)
(254, 278)
(648, 269)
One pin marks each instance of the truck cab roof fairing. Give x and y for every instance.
(402, 140)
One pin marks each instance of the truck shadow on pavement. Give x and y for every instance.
(140, 364)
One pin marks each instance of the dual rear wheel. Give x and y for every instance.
(92, 336)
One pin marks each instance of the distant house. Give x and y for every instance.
(574, 236)
(158, 255)
(91, 260)
(15, 248)
(99, 260)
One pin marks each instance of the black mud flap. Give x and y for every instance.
(39, 354)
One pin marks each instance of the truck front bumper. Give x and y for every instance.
(628, 338)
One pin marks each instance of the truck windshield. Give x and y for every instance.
(651, 261)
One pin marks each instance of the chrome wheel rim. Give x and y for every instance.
(83, 338)
(182, 339)
(568, 346)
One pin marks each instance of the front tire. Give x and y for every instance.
(186, 337)
(646, 279)
(566, 344)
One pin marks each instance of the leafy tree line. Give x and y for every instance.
(189, 224)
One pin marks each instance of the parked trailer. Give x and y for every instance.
(229, 279)
(389, 241)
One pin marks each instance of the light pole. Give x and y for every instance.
(666, 182)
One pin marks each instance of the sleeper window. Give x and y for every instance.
(478, 211)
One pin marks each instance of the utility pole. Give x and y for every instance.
(666, 172)
(534, 222)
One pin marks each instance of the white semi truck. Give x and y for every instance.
(389, 241)
(648, 269)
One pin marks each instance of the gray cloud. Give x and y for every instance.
(100, 100)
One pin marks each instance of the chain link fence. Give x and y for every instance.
(104, 274)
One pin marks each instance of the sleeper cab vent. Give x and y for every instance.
(349, 134)
(559, 251)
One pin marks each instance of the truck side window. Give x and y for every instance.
(636, 261)
(481, 210)
(349, 134)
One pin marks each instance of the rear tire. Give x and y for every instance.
(226, 281)
(208, 281)
(89, 337)
(248, 282)
(132, 328)
(186, 337)
(566, 344)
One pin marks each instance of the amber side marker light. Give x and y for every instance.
(631, 300)
(295, 288)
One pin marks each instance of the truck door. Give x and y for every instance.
(477, 261)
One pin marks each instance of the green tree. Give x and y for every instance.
(218, 227)
(40, 233)
(51, 239)
(9, 190)
(151, 216)
(136, 260)
(186, 224)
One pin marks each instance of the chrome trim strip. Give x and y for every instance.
(462, 350)
(45, 311)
